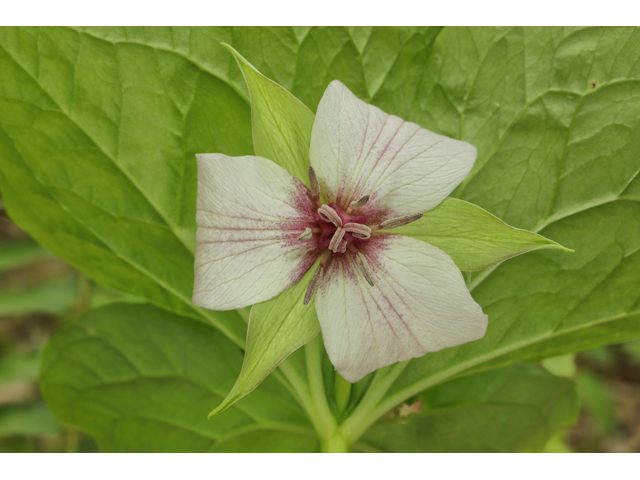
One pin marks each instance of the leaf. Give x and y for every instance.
(56, 297)
(557, 156)
(15, 254)
(102, 173)
(554, 113)
(281, 124)
(141, 379)
(19, 367)
(471, 236)
(276, 329)
(76, 151)
(512, 409)
(561, 366)
(34, 419)
(598, 402)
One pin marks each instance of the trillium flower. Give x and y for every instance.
(380, 297)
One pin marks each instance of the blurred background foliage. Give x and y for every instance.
(40, 293)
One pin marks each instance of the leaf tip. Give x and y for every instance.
(219, 409)
(239, 58)
(228, 47)
(557, 246)
(241, 61)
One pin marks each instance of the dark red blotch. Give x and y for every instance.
(328, 228)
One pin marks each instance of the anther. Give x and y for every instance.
(328, 214)
(315, 186)
(362, 263)
(313, 284)
(360, 203)
(306, 235)
(399, 221)
(357, 204)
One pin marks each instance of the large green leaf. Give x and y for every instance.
(98, 132)
(138, 378)
(512, 409)
(102, 173)
(555, 114)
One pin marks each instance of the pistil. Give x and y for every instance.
(336, 240)
(328, 214)
(339, 231)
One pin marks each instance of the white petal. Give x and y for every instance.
(419, 304)
(250, 212)
(357, 149)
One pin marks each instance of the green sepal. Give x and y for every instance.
(276, 329)
(281, 123)
(472, 237)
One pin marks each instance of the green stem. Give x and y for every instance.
(363, 416)
(299, 389)
(335, 444)
(342, 393)
(323, 421)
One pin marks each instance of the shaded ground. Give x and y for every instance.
(40, 293)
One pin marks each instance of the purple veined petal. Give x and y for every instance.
(357, 149)
(419, 303)
(250, 213)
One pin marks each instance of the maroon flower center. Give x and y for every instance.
(339, 229)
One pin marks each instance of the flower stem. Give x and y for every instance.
(342, 393)
(363, 416)
(324, 422)
(334, 444)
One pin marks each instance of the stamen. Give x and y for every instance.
(313, 284)
(362, 263)
(336, 240)
(343, 246)
(315, 186)
(357, 204)
(328, 214)
(358, 230)
(399, 222)
(306, 235)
